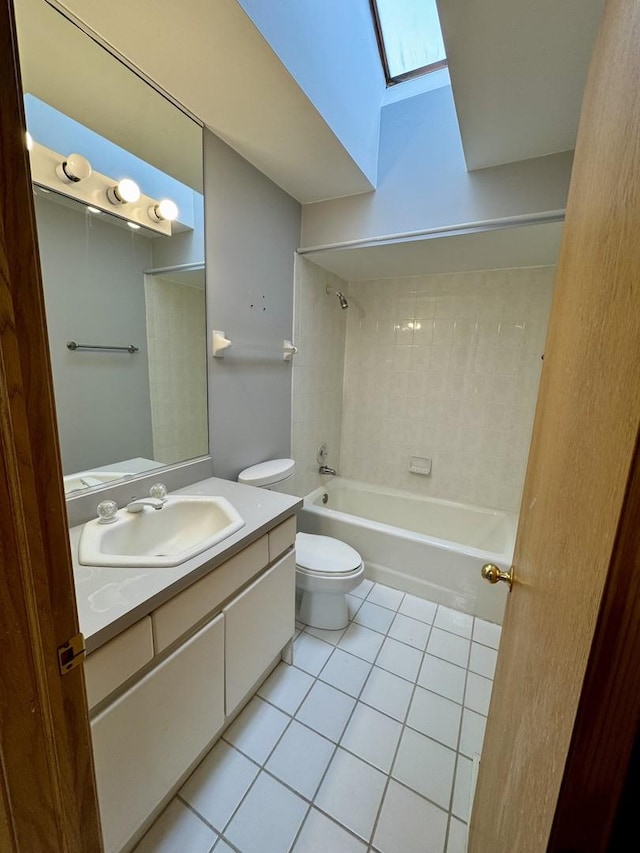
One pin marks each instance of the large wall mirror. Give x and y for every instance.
(123, 270)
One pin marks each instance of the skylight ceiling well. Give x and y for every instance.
(409, 36)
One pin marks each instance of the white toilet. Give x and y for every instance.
(326, 568)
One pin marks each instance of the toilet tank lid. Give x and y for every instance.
(267, 473)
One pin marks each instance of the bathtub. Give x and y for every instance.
(425, 546)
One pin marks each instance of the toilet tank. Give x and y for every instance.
(274, 474)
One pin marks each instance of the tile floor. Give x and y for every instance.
(365, 744)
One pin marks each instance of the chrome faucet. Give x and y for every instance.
(138, 504)
(324, 469)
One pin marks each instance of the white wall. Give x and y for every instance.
(319, 333)
(330, 49)
(423, 182)
(445, 366)
(252, 230)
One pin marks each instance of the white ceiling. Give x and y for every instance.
(518, 69)
(210, 57)
(524, 246)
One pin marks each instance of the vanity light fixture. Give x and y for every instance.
(74, 169)
(164, 210)
(125, 191)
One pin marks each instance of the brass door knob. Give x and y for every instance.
(493, 574)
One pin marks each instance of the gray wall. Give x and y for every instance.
(423, 180)
(252, 231)
(94, 293)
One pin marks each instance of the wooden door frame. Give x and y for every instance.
(47, 786)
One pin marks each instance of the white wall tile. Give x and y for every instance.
(445, 366)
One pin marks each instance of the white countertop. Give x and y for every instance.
(111, 599)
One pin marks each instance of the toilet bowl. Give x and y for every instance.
(326, 568)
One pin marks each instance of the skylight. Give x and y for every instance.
(409, 37)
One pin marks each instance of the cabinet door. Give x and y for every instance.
(258, 623)
(149, 737)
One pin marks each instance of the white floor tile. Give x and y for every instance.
(363, 589)
(286, 687)
(461, 805)
(257, 729)
(409, 824)
(410, 631)
(326, 710)
(418, 608)
(457, 841)
(310, 653)
(435, 716)
(399, 658)
(442, 677)
(268, 819)
(478, 693)
(483, 660)
(372, 736)
(388, 693)
(472, 734)
(332, 637)
(486, 633)
(300, 759)
(425, 766)
(454, 621)
(321, 835)
(177, 828)
(353, 604)
(346, 672)
(385, 596)
(351, 793)
(375, 617)
(218, 784)
(361, 641)
(449, 647)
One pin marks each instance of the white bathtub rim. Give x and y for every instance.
(502, 558)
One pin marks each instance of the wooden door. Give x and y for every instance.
(566, 697)
(47, 789)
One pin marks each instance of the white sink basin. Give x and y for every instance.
(185, 526)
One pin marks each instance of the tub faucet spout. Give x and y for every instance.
(324, 469)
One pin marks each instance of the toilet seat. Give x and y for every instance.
(324, 556)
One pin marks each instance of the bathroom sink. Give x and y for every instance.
(185, 526)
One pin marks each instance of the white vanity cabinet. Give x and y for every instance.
(199, 657)
(149, 737)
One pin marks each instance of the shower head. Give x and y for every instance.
(342, 299)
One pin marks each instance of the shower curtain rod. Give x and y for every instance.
(442, 231)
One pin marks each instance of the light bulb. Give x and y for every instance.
(133, 225)
(74, 169)
(93, 209)
(164, 210)
(29, 139)
(126, 191)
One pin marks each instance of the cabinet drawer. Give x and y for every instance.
(281, 538)
(146, 740)
(110, 665)
(177, 616)
(258, 623)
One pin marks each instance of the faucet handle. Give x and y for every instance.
(158, 490)
(107, 512)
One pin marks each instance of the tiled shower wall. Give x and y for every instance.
(446, 367)
(177, 369)
(319, 333)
